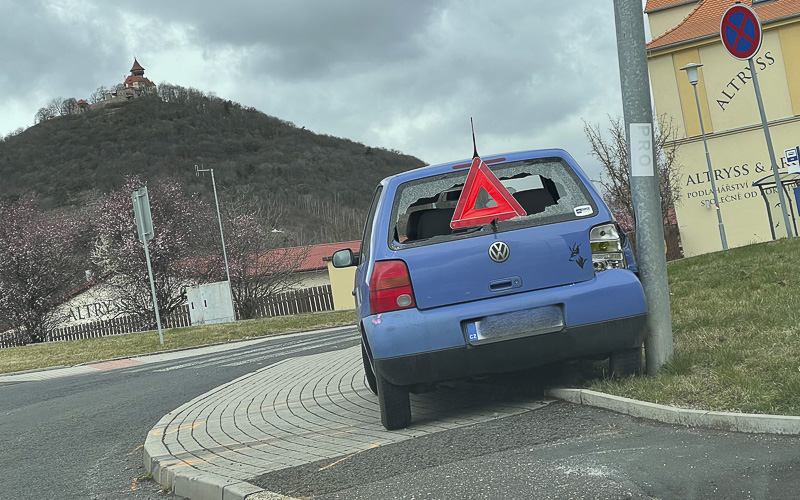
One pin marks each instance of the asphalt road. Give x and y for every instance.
(80, 437)
(560, 451)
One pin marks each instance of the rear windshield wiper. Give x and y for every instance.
(469, 230)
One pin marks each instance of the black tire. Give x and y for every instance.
(395, 404)
(626, 363)
(368, 373)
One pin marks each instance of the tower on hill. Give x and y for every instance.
(136, 83)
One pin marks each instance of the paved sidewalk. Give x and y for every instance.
(294, 412)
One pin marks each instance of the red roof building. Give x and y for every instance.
(703, 21)
(137, 81)
(721, 111)
(314, 258)
(318, 255)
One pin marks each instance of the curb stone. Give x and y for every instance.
(724, 421)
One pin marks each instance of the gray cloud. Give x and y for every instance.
(404, 75)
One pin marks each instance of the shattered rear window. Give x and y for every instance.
(547, 189)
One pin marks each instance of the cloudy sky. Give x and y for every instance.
(399, 74)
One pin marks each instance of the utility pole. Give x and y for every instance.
(197, 171)
(638, 115)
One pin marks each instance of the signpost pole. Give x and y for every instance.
(144, 229)
(765, 124)
(638, 114)
(153, 291)
(741, 33)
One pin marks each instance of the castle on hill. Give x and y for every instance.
(135, 85)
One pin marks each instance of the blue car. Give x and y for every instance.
(504, 263)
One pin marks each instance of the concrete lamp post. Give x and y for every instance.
(692, 72)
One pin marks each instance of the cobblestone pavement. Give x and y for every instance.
(297, 411)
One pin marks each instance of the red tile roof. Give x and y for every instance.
(133, 78)
(317, 253)
(313, 257)
(653, 5)
(136, 66)
(705, 18)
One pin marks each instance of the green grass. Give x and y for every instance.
(83, 351)
(736, 328)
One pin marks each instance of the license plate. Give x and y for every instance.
(536, 321)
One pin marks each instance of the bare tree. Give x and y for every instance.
(68, 106)
(42, 115)
(612, 152)
(340, 223)
(54, 106)
(261, 266)
(99, 94)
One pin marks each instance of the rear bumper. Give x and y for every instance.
(517, 354)
(601, 315)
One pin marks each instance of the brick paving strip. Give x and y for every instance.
(118, 363)
(291, 413)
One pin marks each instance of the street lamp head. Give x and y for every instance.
(691, 72)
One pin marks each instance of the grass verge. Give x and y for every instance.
(736, 327)
(75, 352)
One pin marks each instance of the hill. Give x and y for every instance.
(70, 160)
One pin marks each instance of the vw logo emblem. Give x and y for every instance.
(499, 251)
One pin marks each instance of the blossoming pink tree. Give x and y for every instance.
(40, 262)
(181, 224)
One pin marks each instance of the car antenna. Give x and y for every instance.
(476, 155)
(474, 144)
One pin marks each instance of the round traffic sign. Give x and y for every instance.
(740, 30)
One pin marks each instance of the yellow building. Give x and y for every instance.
(687, 31)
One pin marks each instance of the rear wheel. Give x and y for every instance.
(394, 402)
(626, 363)
(368, 373)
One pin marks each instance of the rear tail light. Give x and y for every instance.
(390, 287)
(606, 246)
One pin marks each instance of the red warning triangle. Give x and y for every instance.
(472, 211)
